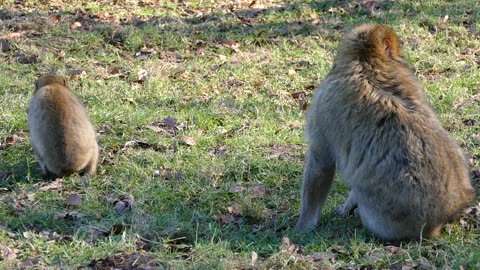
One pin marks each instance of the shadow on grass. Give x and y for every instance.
(22, 171)
(229, 22)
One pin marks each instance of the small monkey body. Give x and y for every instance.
(61, 133)
(369, 120)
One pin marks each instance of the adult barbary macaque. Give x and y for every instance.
(61, 133)
(370, 121)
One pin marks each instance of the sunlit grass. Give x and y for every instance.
(222, 71)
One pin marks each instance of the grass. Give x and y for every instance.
(219, 188)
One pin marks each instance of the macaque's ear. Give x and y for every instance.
(387, 47)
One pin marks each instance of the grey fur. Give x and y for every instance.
(369, 120)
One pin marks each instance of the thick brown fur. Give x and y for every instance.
(370, 121)
(61, 133)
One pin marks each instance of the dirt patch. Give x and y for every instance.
(287, 152)
(138, 260)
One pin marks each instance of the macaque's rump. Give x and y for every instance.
(60, 131)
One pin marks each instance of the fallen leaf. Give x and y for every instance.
(57, 184)
(189, 141)
(171, 56)
(137, 260)
(121, 207)
(51, 236)
(8, 254)
(169, 122)
(136, 144)
(291, 72)
(142, 75)
(290, 152)
(471, 217)
(179, 177)
(76, 25)
(165, 172)
(30, 262)
(290, 248)
(93, 234)
(218, 151)
(130, 100)
(21, 196)
(67, 214)
(76, 72)
(270, 213)
(235, 209)
(175, 241)
(224, 219)
(74, 200)
(392, 249)
(27, 234)
(445, 18)
(200, 51)
(337, 10)
(177, 247)
(254, 258)
(168, 125)
(302, 104)
(155, 127)
(236, 188)
(304, 64)
(119, 72)
(105, 128)
(27, 59)
(298, 95)
(340, 249)
(13, 35)
(57, 18)
(471, 28)
(123, 204)
(257, 191)
(17, 136)
(222, 57)
(323, 256)
(145, 52)
(234, 83)
(80, 12)
(258, 84)
(104, 15)
(108, 158)
(235, 47)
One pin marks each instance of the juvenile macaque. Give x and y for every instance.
(61, 133)
(370, 121)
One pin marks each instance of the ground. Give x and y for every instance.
(199, 108)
